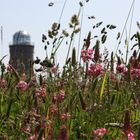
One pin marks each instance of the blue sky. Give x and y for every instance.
(36, 17)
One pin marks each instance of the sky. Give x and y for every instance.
(36, 17)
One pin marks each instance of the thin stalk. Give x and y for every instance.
(59, 20)
(80, 26)
(1, 34)
(64, 5)
(72, 36)
(127, 51)
(82, 15)
(124, 27)
(58, 46)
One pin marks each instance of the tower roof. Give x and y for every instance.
(21, 38)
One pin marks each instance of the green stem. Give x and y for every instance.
(80, 32)
(72, 35)
(58, 46)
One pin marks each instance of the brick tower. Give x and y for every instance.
(21, 52)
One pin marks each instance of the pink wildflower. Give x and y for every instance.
(26, 129)
(95, 69)
(64, 117)
(63, 134)
(100, 132)
(113, 77)
(54, 109)
(22, 85)
(120, 68)
(43, 138)
(32, 137)
(54, 98)
(87, 54)
(3, 83)
(61, 95)
(135, 73)
(130, 136)
(40, 92)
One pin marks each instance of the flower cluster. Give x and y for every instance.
(87, 54)
(40, 92)
(61, 95)
(22, 85)
(120, 68)
(64, 116)
(100, 132)
(54, 109)
(63, 134)
(95, 69)
(3, 83)
(130, 136)
(58, 96)
(135, 73)
(33, 137)
(132, 68)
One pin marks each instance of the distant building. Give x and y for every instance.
(21, 52)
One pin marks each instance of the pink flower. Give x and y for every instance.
(95, 69)
(42, 138)
(54, 109)
(40, 92)
(63, 134)
(26, 129)
(130, 136)
(54, 98)
(61, 95)
(135, 72)
(22, 85)
(113, 76)
(3, 83)
(64, 117)
(120, 68)
(86, 54)
(32, 137)
(100, 132)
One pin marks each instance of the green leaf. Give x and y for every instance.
(82, 101)
(103, 86)
(9, 108)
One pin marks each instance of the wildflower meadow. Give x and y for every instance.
(95, 95)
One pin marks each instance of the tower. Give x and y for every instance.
(21, 52)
